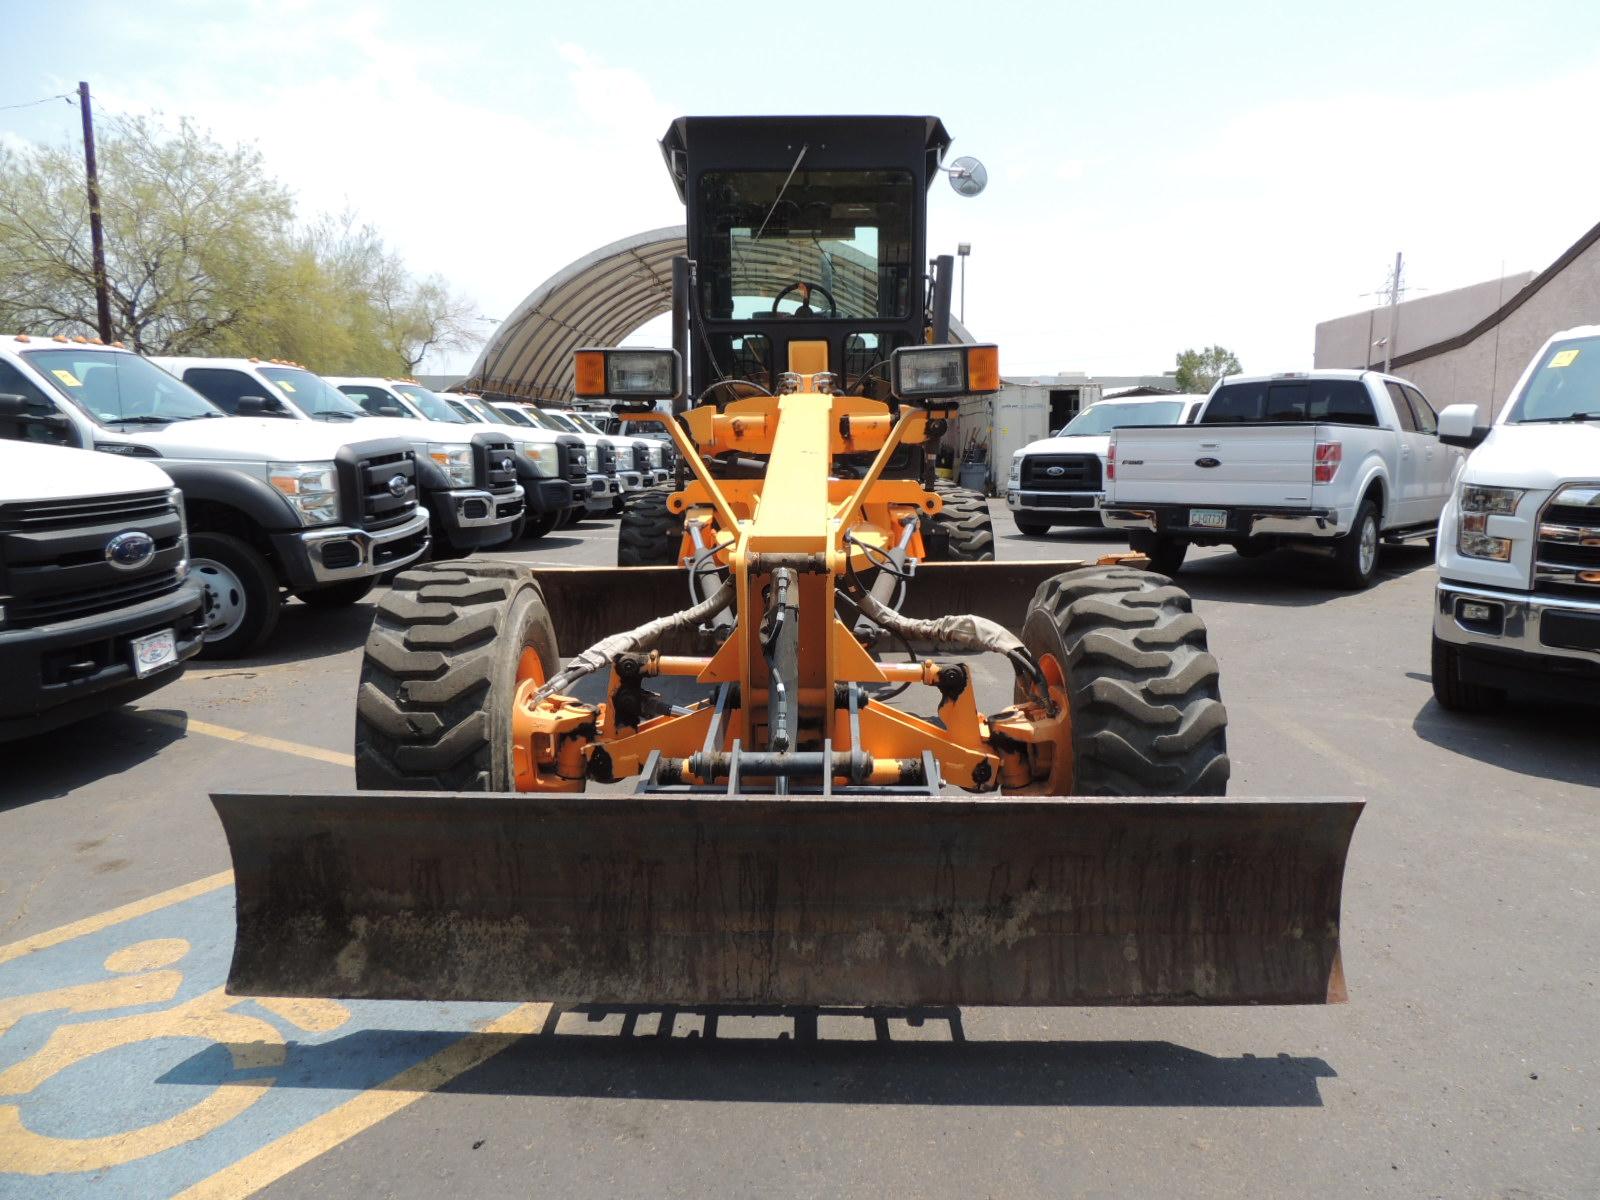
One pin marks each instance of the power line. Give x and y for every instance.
(31, 103)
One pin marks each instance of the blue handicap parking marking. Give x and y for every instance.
(126, 1070)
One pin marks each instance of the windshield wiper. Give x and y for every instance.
(1578, 417)
(141, 419)
(335, 415)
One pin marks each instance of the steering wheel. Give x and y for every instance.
(805, 288)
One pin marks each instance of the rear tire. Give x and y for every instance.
(1166, 554)
(1031, 526)
(241, 602)
(649, 534)
(1451, 691)
(338, 595)
(439, 675)
(1355, 555)
(962, 531)
(1142, 689)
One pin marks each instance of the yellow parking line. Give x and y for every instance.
(189, 725)
(114, 916)
(294, 1149)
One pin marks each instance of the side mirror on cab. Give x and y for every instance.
(258, 406)
(1458, 426)
(22, 413)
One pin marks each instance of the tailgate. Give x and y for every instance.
(1217, 465)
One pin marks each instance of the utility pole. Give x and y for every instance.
(1394, 313)
(97, 237)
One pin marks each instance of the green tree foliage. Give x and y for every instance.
(1199, 369)
(203, 256)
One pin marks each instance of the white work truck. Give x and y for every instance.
(1518, 600)
(273, 506)
(1058, 480)
(467, 482)
(96, 604)
(604, 497)
(548, 466)
(1327, 461)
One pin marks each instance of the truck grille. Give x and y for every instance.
(608, 459)
(1061, 473)
(574, 462)
(494, 465)
(1567, 557)
(54, 556)
(379, 502)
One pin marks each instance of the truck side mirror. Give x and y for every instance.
(1458, 426)
(20, 412)
(256, 406)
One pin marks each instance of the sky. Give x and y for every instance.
(1160, 175)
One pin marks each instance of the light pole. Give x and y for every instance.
(963, 249)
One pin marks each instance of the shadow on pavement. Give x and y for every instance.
(1286, 578)
(1544, 740)
(778, 1067)
(305, 633)
(55, 764)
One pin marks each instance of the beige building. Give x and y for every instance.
(1469, 346)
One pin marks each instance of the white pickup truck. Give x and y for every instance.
(1058, 480)
(1328, 461)
(1518, 599)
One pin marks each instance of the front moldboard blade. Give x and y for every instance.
(791, 900)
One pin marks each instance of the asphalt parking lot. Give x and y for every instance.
(1463, 1065)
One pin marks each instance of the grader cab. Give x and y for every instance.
(823, 809)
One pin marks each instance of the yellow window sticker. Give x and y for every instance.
(285, 385)
(68, 378)
(1564, 359)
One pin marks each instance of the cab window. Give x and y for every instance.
(226, 388)
(40, 420)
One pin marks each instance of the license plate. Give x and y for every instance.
(1208, 518)
(154, 651)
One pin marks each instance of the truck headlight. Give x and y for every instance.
(545, 458)
(1016, 468)
(658, 457)
(1478, 504)
(455, 460)
(312, 489)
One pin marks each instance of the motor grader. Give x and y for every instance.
(822, 811)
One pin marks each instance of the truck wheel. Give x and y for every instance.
(241, 601)
(1449, 689)
(1030, 526)
(540, 524)
(1166, 554)
(649, 534)
(1355, 555)
(1142, 691)
(338, 595)
(962, 531)
(447, 649)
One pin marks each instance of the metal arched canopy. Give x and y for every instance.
(596, 300)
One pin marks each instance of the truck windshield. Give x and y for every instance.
(432, 407)
(515, 416)
(1564, 387)
(115, 388)
(1331, 401)
(558, 421)
(312, 394)
(583, 423)
(1109, 415)
(847, 233)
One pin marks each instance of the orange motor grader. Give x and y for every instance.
(796, 833)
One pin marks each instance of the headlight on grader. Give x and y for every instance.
(923, 373)
(627, 375)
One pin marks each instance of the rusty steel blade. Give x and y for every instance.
(589, 603)
(788, 900)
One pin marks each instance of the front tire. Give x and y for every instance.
(1355, 555)
(439, 676)
(1451, 691)
(241, 600)
(540, 524)
(1031, 526)
(962, 531)
(1142, 690)
(649, 534)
